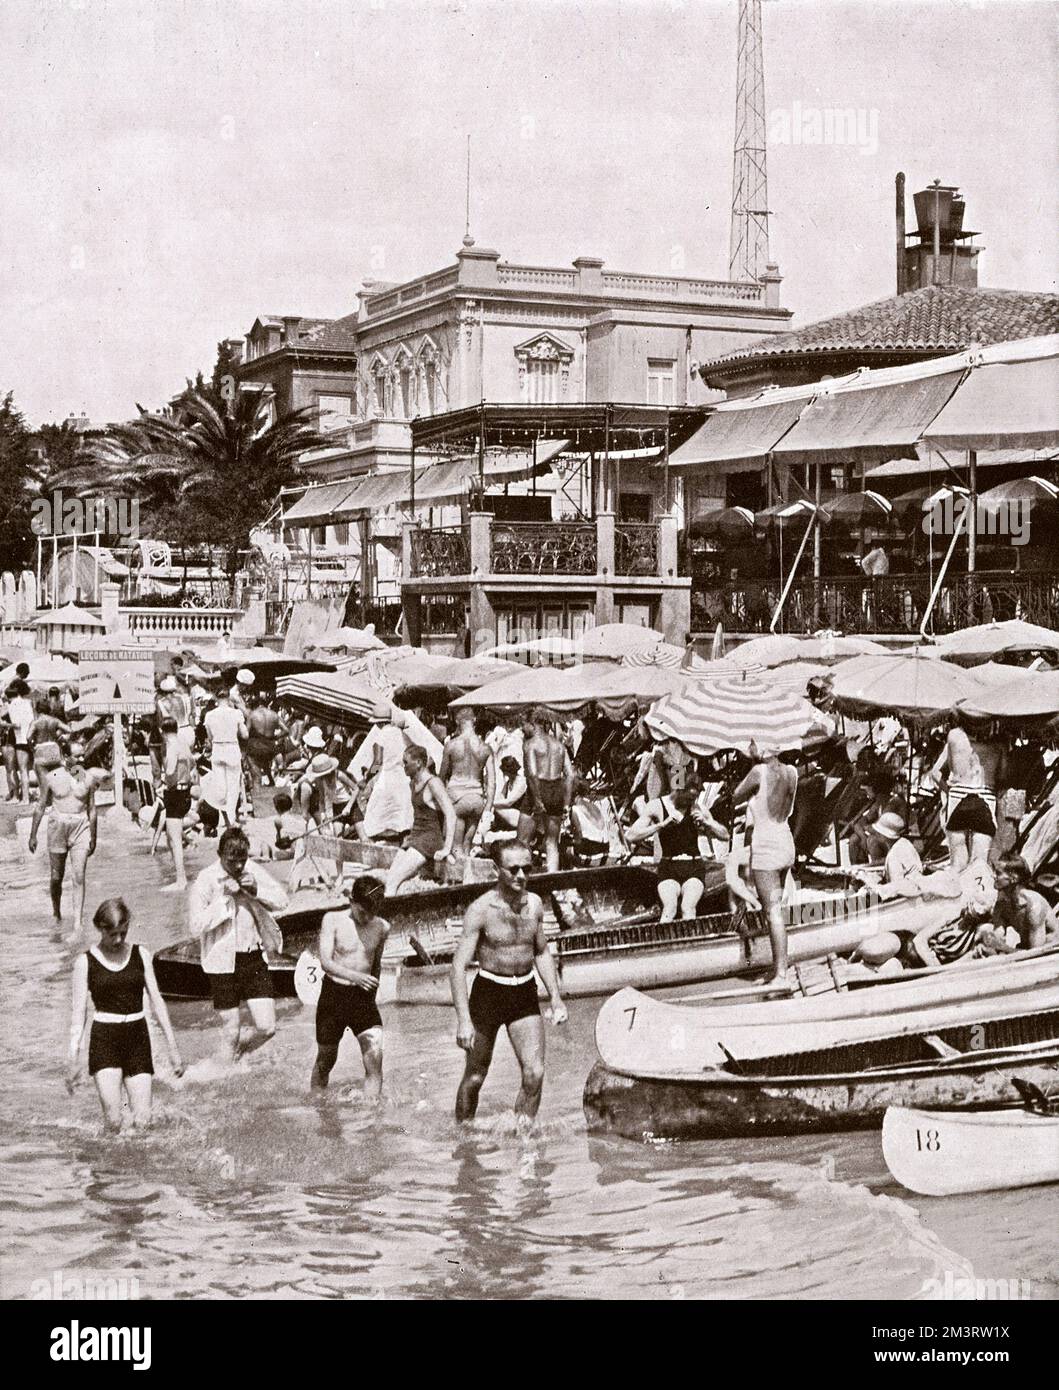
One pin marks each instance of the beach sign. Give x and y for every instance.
(115, 680)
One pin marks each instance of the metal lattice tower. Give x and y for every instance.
(748, 250)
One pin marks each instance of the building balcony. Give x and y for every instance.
(894, 604)
(486, 550)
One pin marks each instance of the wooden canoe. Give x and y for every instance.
(640, 1036)
(845, 1090)
(940, 1152)
(657, 955)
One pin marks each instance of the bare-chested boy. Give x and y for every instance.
(504, 931)
(351, 946)
(68, 794)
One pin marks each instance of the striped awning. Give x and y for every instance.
(709, 717)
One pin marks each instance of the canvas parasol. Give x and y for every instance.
(335, 697)
(555, 650)
(724, 524)
(910, 686)
(1031, 492)
(1026, 695)
(43, 670)
(865, 508)
(660, 654)
(990, 639)
(612, 641)
(617, 690)
(728, 715)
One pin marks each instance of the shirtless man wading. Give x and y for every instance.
(351, 946)
(504, 931)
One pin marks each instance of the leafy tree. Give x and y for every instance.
(207, 473)
(59, 447)
(19, 475)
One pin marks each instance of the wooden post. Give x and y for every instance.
(73, 566)
(119, 764)
(54, 569)
(481, 448)
(411, 482)
(99, 597)
(816, 553)
(665, 468)
(972, 526)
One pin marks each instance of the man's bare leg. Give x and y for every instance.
(371, 1050)
(475, 1071)
(263, 1013)
(958, 855)
(527, 1038)
(55, 884)
(230, 1033)
(326, 1057)
(551, 844)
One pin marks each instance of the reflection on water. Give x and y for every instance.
(246, 1187)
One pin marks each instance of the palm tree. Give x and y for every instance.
(204, 472)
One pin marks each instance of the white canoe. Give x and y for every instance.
(938, 1152)
(640, 1036)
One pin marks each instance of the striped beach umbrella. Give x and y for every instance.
(666, 654)
(335, 698)
(710, 717)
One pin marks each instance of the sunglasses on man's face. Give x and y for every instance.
(517, 868)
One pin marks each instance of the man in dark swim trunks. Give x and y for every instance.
(504, 931)
(550, 778)
(351, 946)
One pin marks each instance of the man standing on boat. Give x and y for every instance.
(504, 931)
(229, 912)
(351, 947)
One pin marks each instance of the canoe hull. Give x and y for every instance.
(643, 967)
(938, 1153)
(729, 1107)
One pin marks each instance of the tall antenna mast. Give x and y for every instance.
(748, 248)
(468, 240)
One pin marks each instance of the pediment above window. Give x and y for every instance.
(545, 347)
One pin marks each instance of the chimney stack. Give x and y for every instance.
(941, 252)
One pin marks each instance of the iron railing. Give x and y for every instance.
(636, 548)
(895, 603)
(441, 551)
(546, 547)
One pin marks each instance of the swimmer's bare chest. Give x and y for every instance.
(355, 947)
(508, 937)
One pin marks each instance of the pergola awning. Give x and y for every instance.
(435, 485)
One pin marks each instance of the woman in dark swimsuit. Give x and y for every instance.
(433, 822)
(115, 976)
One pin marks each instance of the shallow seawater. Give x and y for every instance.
(246, 1187)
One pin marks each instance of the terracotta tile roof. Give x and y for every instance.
(330, 335)
(940, 318)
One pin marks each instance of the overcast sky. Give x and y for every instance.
(170, 169)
